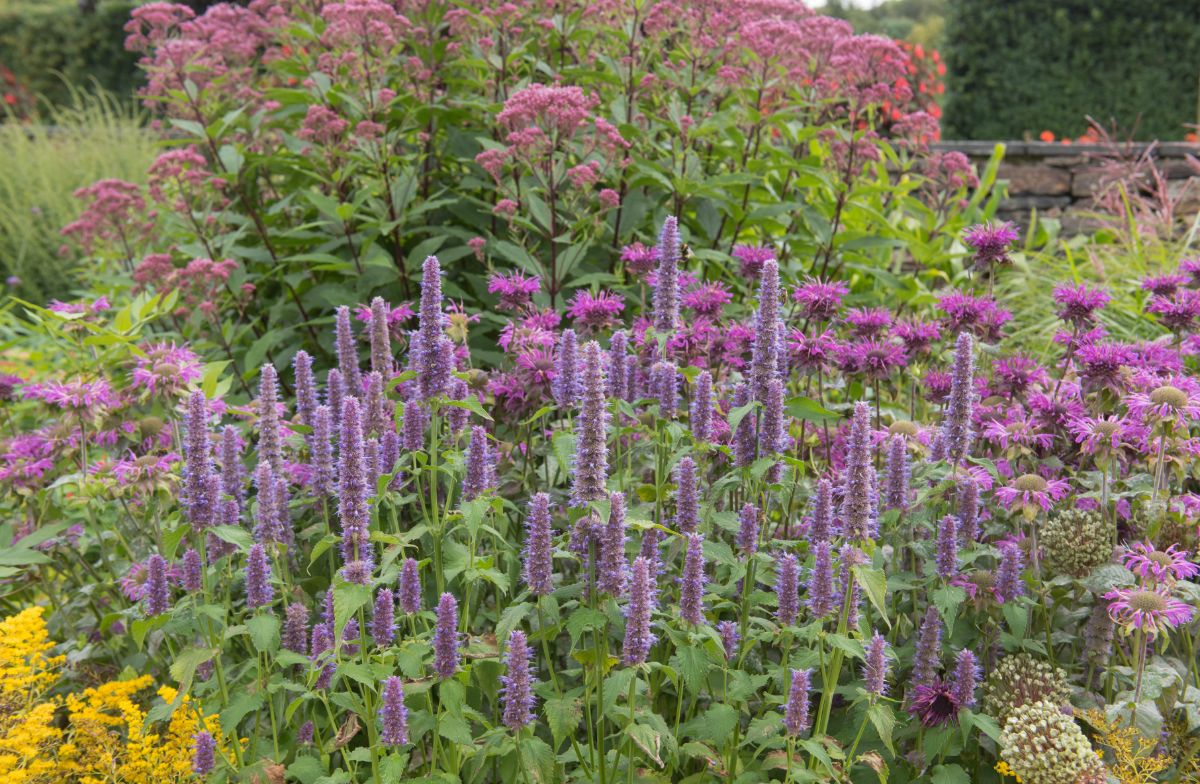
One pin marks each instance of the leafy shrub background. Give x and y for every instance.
(1022, 66)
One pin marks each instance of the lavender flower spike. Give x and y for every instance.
(193, 571)
(820, 529)
(381, 340)
(204, 756)
(393, 715)
(896, 492)
(306, 389)
(445, 637)
(322, 452)
(966, 678)
(1008, 573)
(745, 445)
(383, 619)
(335, 393)
(479, 466)
(270, 440)
(957, 424)
(591, 431)
(665, 378)
(666, 287)
(691, 591)
(158, 592)
(787, 588)
(858, 490)
(764, 358)
(353, 510)
(730, 638)
(258, 578)
(538, 556)
(927, 655)
(426, 345)
(967, 509)
(611, 574)
(820, 580)
(795, 713)
(642, 600)
(197, 464)
(295, 628)
(410, 587)
(231, 465)
(748, 530)
(516, 694)
(702, 404)
(875, 669)
(347, 352)
(566, 383)
(618, 364)
(947, 547)
(687, 505)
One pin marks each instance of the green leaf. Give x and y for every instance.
(949, 774)
(537, 759)
(874, 583)
(739, 413)
(306, 770)
(455, 729)
(583, 619)
(348, 598)
(20, 556)
(243, 704)
(562, 716)
(884, 721)
(264, 632)
(715, 725)
(948, 598)
(234, 535)
(183, 669)
(471, 404)
(1017, 617)
(564, 449)
(809, 410)
(511, 618)
(648, 739)
(319, 549)
(692, 663)
(143, 626)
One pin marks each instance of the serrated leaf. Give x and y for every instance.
(562, 716)
(348, 598)
(716, 724)
(692, 664)
(949, 774)
(242, 704)
(537, 759)
(947, 599)
(884, 721)
(264, 632)
(471, 403)
(648, 739)
(874, 583)
(183, 669)
(234, 535)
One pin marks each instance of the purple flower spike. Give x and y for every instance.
(966, 678)
(927, 655)
(795, 713)
(947, 547)
(383, 619)
(967, 509)
(643, 598)
(381, 339)
(875, 669)
(425, 349)
(410, 587)
(377, 418)
(787, 588)
(666, 285)
(158, 592)
(730, 638)
(445, 637)
(618, 364)
(204, 755)
(306, 389)
(193, 571)
(745, 443)
(1008, 574)
(702, 404)
(665, 379)
(764, 361)
(850, 556)
(322, 452)
(197, 467)
(516, 693)
(347, 352)
(295, 629)
(416, 420)
(748, 530)
(393, 715)
(270, 439)
(691, 592)
(820, 580)
(896, 492)
(820, 528)
(773, 431)
(266, 518)
(335, 393)
(858, 490)
(231, 464)
(353, 510)
(457, 416)
(687, 505)
(566, 385)
(479, 466)
(957, 424)
(539, 567)
(259, 591)
(591, 431)
(611, 574)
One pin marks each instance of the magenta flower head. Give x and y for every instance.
(691, 590)
(787, 588)
(896, 490)
(347, 352)
(410, 587)
(875, 668)
(393, 714)
(764, 358)
(514, 289)
(203, 753)
(927, 655)
(611, 577)
(991, 243)
(752, 258)
(957, 424)
(158, 591)
(192, 572)
(748, 529)
(566, 383)
(796, 713)
(197, 466)
(687, 504)
(1151, 610)
(593, 312)
(1159, 566)
(591, 431)
(538, 564)
(966, 678)
(259, 591)
(445, 637)
(933, 703)
(947, 547)
(858, 488)
(1077, 305)
(1031, 493)
(479, 476)
(666, 285)
(643, 598)
(702, 404)
(820, 526)
(517, 699)
(820, 300)
(820, 598)
(383, 619)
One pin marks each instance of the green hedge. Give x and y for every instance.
(1024, 66)
(44, 42)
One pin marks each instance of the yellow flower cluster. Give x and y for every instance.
(106, 740)
(1134, 758)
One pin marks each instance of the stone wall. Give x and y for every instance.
(1060, 180)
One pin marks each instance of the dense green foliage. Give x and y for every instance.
(1017, 67)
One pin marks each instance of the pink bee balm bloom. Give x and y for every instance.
(1099, 433)
(1031, 492)
(991, 242)
(1178, 401)
(1150, 610)
(639, 259)
(514, 289)
(819, 300)
(1159, 566)
(595, 311)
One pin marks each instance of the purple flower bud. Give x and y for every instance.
(203, 753)
(795, 714)
(730, 638)
(304, 735)
(295, 628)
(231, 465)
(416, 420)
(858, 489)
(381, 339)
(322, 641)
(539, 566)
(158, 592)
(764, 361)
(266, 518)
(773, 436)
(691, 592)
(927, 655)
(350, 637)
(197, 467)
(966, 678)
(967, 509)
(651, 539)
(306, 389)
(896, 494)
(516, 695)
(643, 598)
(687, 507)
(702, 404)
(445, 637)
(270, 440)
(1008, 574)
(458, 416)
(322, 452)
(947, 547)
(347, 352)
(850, 556)
(591, 431)
(787, 588)
(610, 577)
(410, 587)
(425, 347)
(666, 285)
(259, 591)
(748, 530)
(745, 443)
(193, 571)
(666, 388)
(957, 424)
(618, 364)
(566, 385)
(283, 512)
(378, 414)
(357, 554)
(389, 454)
(383, 619)
(335, 393)
(875, 669)
(820, 529)
(393, 715)
(479, 466)
(820, 580)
